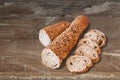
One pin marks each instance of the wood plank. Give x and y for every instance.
(27, 52)
(52, 2)
(17, 31)
(20, 22)
(59, 2)
(52, 9)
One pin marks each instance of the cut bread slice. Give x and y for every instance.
(90, 43)
(94, 35)
(49, 33)
(78, 64)
(88, 52)
(102, 35)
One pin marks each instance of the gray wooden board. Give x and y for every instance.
(20, 48)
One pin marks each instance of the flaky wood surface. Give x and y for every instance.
(20, 22)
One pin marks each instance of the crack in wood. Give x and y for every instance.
(115, 66)
(111, 54)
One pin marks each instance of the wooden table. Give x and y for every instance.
(20, 22)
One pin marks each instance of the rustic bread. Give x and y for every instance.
(64, 43)
(88, 52)
(50, 59)
(78, 64)
(90, 43)
(47, 34)
(102, 35)
(96, 36)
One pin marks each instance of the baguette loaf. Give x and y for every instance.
(47, 34)
(78, 64)
(90, 43)
(63, 44)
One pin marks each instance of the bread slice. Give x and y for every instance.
(90, 43)
(49, 33)
(88, 52)
(94, 35)
(78, 64)
(102, 35)
(61, 46)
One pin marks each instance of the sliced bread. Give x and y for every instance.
(88, 52)
(90, 43)
(95, 35)
(78, 64)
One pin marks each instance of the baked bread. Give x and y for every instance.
(90, 43)
(50, 59)
(96, 36)
(100, 33)
(47, 34)
(78, 64)
(64, 43)
(88, 52)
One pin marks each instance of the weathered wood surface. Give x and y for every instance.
(20, 48)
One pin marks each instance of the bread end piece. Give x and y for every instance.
(44, 38)
(82, 20)
(49, 33)
(50, 59)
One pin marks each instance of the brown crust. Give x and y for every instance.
(54, 30)
(64, 43)
(80, 72)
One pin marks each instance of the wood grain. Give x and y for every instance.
(20, 22)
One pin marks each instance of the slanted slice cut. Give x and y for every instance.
(90, 43)
(88, 52)
(49, 33)
(78, 64)
(96, 36)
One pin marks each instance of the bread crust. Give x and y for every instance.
(56, 29)
(52, 31)
(64, 43)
